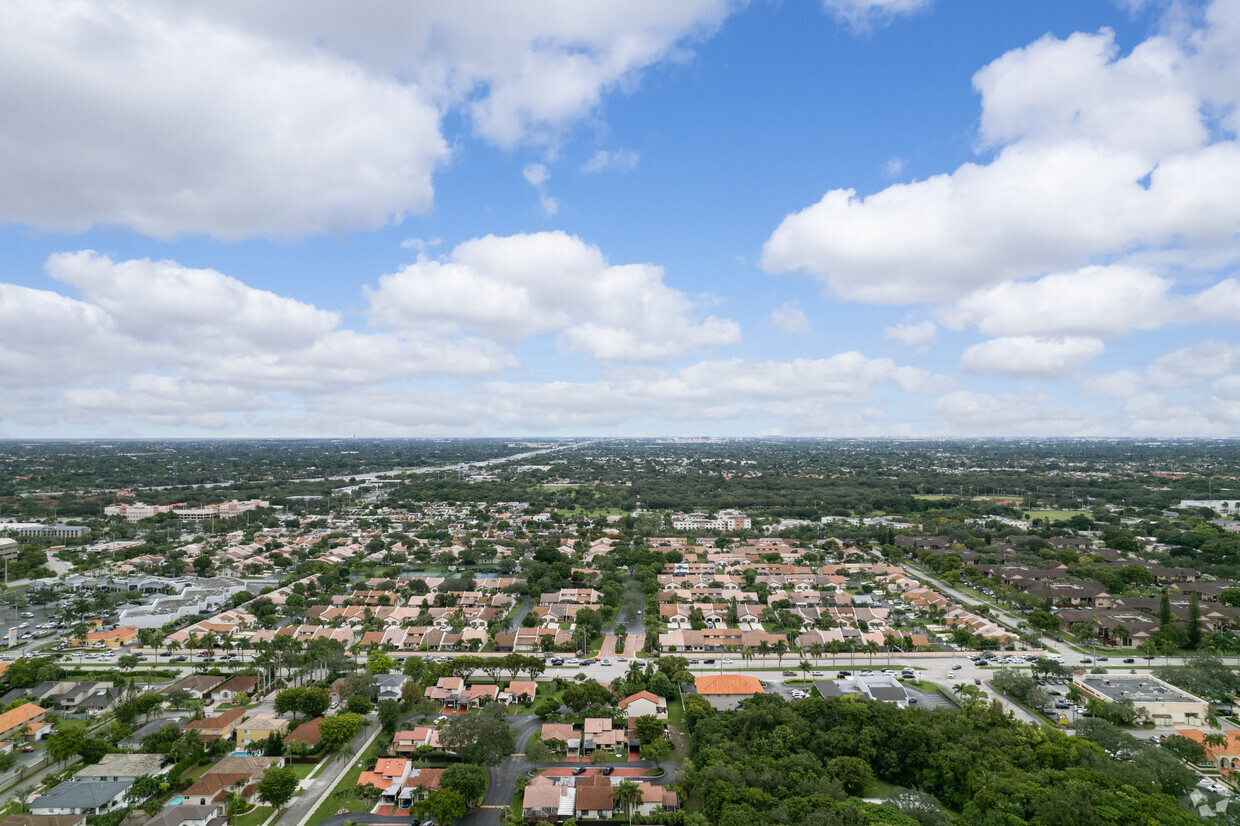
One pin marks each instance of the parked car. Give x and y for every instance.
(27, 749)
(579, 771)
(609, 770)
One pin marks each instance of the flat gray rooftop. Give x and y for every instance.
(1137, 689)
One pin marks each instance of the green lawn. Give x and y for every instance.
(254, 818)
(352, 802)
(675, 713)
(194, 774)
(302, 770)
(932, 497)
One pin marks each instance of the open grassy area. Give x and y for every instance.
(877, 788)
(350, 802)
(254, 818)
(675, 713)
(302, 770)
(194, 774)
(931, 497)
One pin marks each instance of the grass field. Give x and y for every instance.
(351, 802)
(932, 497)
(255, 817)
(302, 770)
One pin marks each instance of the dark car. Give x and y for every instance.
(1103, 659)
(841, 675)
(1086, 660)
(708, 662)
(578, 770)
(180, 659)
(1129, 660)
(955, 668)
(609, 770)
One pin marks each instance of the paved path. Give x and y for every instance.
(316, 790)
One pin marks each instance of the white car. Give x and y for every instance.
(727, 662)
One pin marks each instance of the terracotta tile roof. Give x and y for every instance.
(307, 732)
(728, 684)
(20, 716)
(642, 695)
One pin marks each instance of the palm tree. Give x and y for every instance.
(21, 796)
(805, 669)
(781, 648)
(871, 646)
(172, 645)
(1215, 739)
(628, 797)
(815, 651)
(764, 648)
(191, 643)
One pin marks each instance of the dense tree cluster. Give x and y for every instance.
(802, 763)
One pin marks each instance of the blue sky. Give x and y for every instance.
(852, 217)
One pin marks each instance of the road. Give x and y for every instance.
(316, 789)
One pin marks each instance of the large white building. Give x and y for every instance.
(725, 520)
(1224, 507)
(224, 510)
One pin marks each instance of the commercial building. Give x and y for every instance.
(54, 531)
(725, 520)
(1165, 704)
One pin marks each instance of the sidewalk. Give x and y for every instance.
(317, 789)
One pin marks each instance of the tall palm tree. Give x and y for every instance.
(191, 643)
(871, 646)
(815, 650)
(805, 669)
(628, 797)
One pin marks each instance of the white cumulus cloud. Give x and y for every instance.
(516, 287)
(260, 118)
(789, 318)
(620, 160)
(1030, 357)
(913, 335)
(1097, 155)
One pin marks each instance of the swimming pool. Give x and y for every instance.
(175, 801)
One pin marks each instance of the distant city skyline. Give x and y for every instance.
(906, 218)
